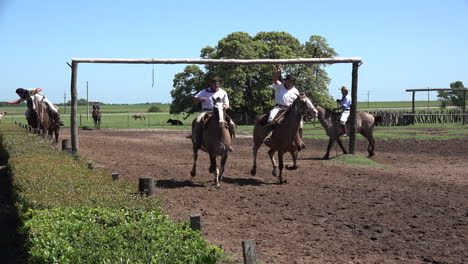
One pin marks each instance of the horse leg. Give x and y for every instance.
(371, 146)
(280, 160)
(193, 172)
(257, 145)
(271, 153)
(221, 169)
(213, 169)
(340, 143)
(330, 144)
(294, 157)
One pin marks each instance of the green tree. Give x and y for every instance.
(454, 98)
(249, 86)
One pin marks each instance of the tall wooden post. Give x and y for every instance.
(413, 108)
(74, 107)
(464, 107)
(352, 115)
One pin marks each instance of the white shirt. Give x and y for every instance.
(284, 96)
(209, 93)
(346, 102)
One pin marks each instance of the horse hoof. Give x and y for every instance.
(253, 172)
(289, 167)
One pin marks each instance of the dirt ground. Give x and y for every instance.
(413, 211)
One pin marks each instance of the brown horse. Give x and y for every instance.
(42, 119)
(139, 116)
(365, 124)
(216, 140)
(285, 137)
(97, 118)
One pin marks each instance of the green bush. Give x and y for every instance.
(154, 108)
(72, 214)
(113, 236)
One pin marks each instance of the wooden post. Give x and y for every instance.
(413, 108)
(146, 186)
(65, 144)
(464, 108)
(195, 223)
(115, 176)
(249, 252)
(74, 107)
(352, 115)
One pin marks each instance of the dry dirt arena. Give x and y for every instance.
(413, 211)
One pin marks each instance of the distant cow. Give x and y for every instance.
(139, 116)
(175, 122)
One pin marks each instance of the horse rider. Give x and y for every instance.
(96, 106)
(205, 98)
(345, 106)
(28, 94)
(285, 94)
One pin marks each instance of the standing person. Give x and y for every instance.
(205, 98)
(345, 106)
(28, 94)
(285, 94)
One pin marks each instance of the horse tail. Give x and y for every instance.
(377, 119)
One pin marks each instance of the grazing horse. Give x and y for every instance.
(139, 116)
(97, 118)
(216, 139)
(42, 118)
(285, 137)
(365, 123)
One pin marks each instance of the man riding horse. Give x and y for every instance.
(285, 94)
(345, 106)
(27, 95)
(205, 97)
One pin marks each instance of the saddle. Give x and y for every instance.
(208, 115)
(277, 120)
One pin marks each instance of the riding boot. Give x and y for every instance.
(56, 118)
(345, 132)
(269, 128)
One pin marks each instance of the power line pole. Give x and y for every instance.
(368, 96)
(65, 102)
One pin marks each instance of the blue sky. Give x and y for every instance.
(403, 44)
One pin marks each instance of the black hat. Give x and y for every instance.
(216, 79)
(290, 77)
(21, 91)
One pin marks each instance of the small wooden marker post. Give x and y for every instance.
(195, 222)
(115, 176)
(65, 144)
(30, 129)
(146, 186)
(249, 252)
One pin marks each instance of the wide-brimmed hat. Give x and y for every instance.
(290, 77)
(344, 88)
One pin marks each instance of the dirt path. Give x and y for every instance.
(413, 211)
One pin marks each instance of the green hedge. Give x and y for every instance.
(71, 214)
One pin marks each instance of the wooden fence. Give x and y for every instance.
(404, 118)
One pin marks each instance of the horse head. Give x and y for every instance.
(303, 106)
(219, 110)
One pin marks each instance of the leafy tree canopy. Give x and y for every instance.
(249, 86)
(454, 98)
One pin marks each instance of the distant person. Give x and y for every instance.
(2, 115)
(28, 94)
(96, 106)
(205, 98)
(345, 106)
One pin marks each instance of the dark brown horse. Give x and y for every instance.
(97, 118)
(285, 137)
(216, 140)
(365, 123)
(42, 119)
